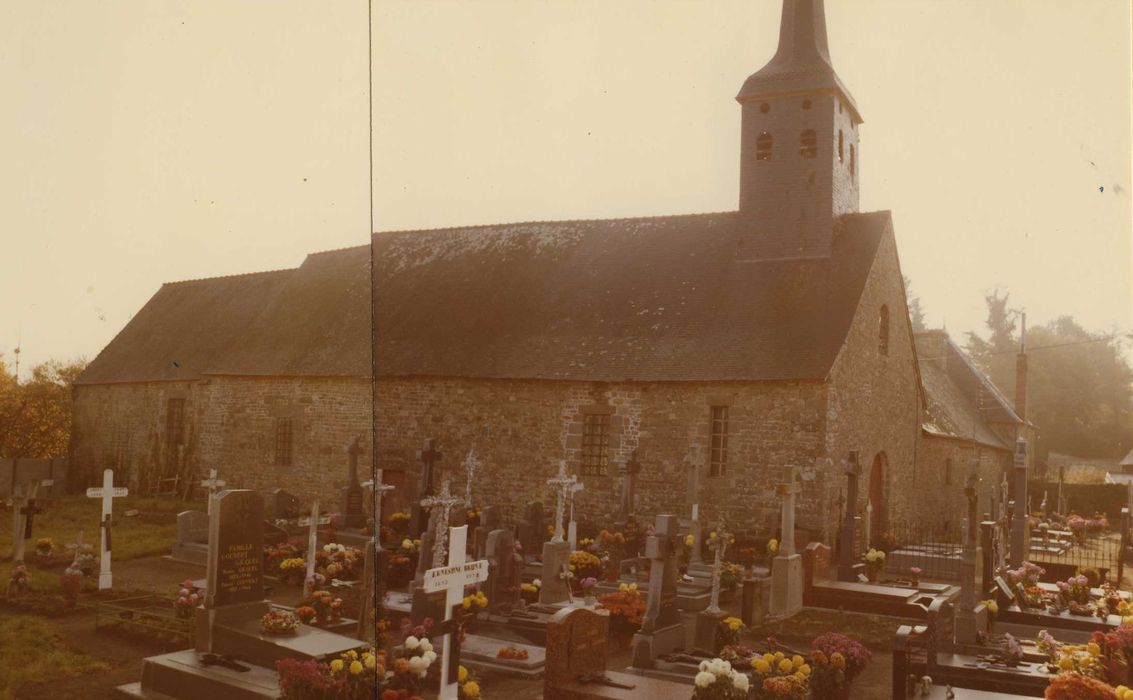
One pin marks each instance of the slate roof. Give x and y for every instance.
(184, 329)
(960, 400)
(653, 299)
(650, 299)
(802, 60)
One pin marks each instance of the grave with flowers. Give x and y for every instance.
(1072, 604)
(238, 635)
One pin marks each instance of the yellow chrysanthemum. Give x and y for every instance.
(779, 656)
(769, 658)
(786, 666)
(805, 669)
(1066, 663)
(1093, 649)
(370, 660)
(336, 665)
(355, 667)
(462, 674)
(798, 661)
(760, 665)
(471, 689)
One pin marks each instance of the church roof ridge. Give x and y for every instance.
(216, 278)
(544, 222)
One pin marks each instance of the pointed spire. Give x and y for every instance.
(802, 61)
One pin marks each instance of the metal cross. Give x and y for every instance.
(380, 490)
(429, 456)
(445, 501)
(471, 464)
(564, 483)
(28, 511)
(719, 545)
(213, 484)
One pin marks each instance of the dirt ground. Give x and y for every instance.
(157, 574)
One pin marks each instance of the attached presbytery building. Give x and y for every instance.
(737, 343)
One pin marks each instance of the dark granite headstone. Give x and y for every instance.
(576, 646)
(236, 561)
(816, 565)
(353, 513)
(490, 521)
(533, 530)
(503, 568)
(283, 505)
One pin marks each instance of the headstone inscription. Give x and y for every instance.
(661, 629)
(234, 587)
(107, 492)
(848, 565)
(787, 569)
(353, 512)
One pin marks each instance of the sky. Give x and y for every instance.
(152, 142)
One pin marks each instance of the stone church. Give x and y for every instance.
(736, 344)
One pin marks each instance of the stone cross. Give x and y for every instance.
(1044, 505)
(428, 456)
(1004, 489)
(471, 464)
(29, 510)
(787, 491)
(867, 525)
(353, 453)
(718, 546)
(380, 489)
(564, 483)
(213, 484)
(693, 495)
(572, 526)
(847, 556)
(1019, 539)
(452, 579)
(629, 472)
(107, 492)
(20, 500)
(445, 501)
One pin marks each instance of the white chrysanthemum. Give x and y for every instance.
(538, 583)
(704, 665)
(417, 664)
(740, 682)
(412, 643)
(431, 656)
(704, 679)
(426, 645)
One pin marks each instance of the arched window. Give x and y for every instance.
(763, 147)
(840, 146)
(808, 144)
(883, 331)
(853, 160)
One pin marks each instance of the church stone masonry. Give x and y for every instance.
(782, 325)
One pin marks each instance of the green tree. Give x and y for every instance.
(916, 312)
(1079, 385)
(35, 416)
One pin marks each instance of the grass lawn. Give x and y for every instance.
(151, 532)
(34, 653)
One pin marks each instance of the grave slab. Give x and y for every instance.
(182, 675)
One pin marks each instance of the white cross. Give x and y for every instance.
(452, 580)
(213, 484)
(107, 492)
(572, 528)
(471, 464)
(312, 537)
(564, 482)
(788, 489)
(445, 501)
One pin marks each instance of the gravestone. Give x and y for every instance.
(533, 530)
(787, 567)
(192, 537)
(693, 499)
(629, 472)
(966, 629)
(556, 553)
(490, 521)
(284, 505)
(848, 565)
(471, 465)
(576, 647)
(661, 629)
(503, 569)
(353, 512)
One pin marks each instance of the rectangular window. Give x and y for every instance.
(595, 436)
(175, 422)
(283, 441)
(718, 457)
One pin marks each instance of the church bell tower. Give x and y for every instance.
(799, 148)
